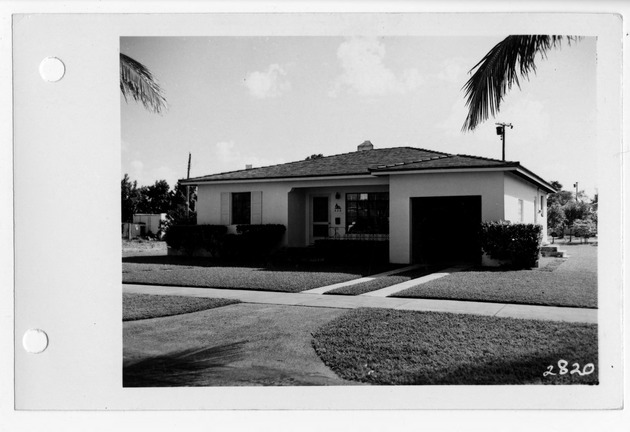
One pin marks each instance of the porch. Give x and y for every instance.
(347, 213)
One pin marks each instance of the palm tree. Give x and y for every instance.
(499, 70)
(137, 81)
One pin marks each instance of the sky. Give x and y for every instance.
(267, 100)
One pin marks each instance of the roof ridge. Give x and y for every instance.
(426, 150)
(483, 158)
(442, 156)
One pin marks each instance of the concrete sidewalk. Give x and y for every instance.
(549, 313)
(325, 289)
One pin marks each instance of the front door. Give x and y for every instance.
(321, 217)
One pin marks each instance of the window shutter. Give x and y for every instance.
(225, 208)
(256, 203)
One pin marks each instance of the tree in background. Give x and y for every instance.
(130, 198)
(560, 197)
(156, 198)
(564, 210)
(556, 219)
(314, 156)
(575, 211)
(177, 214)
(594, 208)
(584, 229)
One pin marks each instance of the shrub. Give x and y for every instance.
(255, 241)
(251, 241)
(191, 237)
(519, 243)
(353, 251)
(584, 228)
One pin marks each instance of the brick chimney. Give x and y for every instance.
(366, 145)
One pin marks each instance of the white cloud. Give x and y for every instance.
(365, 73)
(269, 83)
(147, 175)
(226, 156)
(136, 167)
(166, 173)
(454, 70)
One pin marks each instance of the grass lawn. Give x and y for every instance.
(381, 282)
(139, 246)
(569, 282)
(384, 346)
(144, 306)
(201, 272)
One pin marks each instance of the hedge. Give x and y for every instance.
(192, 237)
(251, 241)
(254, 241)
(353, 251)
(518, 243)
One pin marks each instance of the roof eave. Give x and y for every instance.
(509, 167)
(195, 182)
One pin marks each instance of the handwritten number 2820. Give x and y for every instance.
(588, 369)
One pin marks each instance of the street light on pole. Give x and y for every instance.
(501, 131)
(576, 191)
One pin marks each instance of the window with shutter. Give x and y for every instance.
(256, 207)
(225, 208)
(241, 208)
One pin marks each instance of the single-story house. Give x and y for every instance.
(427, 203)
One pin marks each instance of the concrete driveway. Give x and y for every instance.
(236, 345)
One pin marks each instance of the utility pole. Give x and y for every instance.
(188, 188)
(501, 131)
(576, 191)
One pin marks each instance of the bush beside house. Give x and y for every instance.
(514, 245)
(250, 241)
(205, 240)
(253, 241)
(353, 251)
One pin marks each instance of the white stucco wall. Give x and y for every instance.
(276, 206)
(403, 187)
(274, 201)
(517, 189)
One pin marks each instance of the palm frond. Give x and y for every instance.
(136, 81)
(499, 70)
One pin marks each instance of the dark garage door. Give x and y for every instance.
(445, 229)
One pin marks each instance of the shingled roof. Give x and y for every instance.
(357, 163)
(446, 161)
(381, 161)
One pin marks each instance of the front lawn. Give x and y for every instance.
(568, 282)
(200, 272)
(381, 282)
(144, 247)
(145, 306)
(384, 346)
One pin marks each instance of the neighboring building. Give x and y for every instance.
(151, 221)
(143, 224)
(428, 204)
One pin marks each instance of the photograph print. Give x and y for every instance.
(359, 210)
